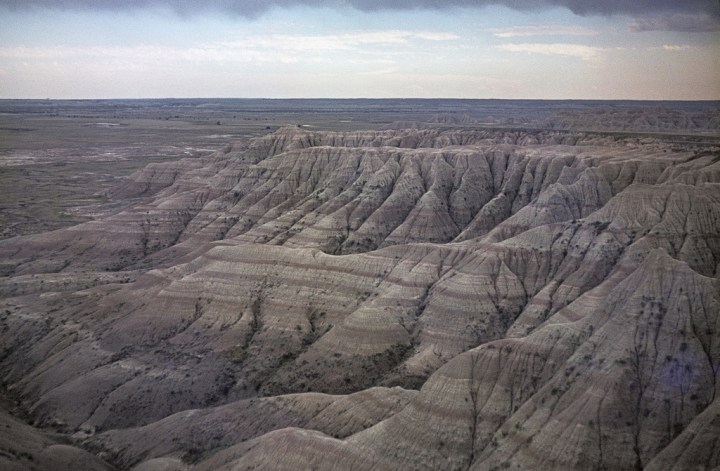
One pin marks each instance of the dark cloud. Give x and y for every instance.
(255, 7)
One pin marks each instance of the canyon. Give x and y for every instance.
(440, 296)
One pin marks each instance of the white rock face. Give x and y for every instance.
(417, 299)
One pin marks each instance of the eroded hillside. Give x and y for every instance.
(412, 299)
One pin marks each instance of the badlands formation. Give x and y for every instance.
(456, 299)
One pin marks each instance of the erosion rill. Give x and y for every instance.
(408, 299)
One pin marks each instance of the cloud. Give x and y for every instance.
(676, 47)
(579, 51)
(250, 8)
(137, 54)
(676, 22)
(357, 41)
(271, 48)
(542, 30)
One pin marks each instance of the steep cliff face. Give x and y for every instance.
(418, 299)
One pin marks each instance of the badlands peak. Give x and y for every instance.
(435, 298)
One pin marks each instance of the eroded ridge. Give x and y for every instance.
(415, 299)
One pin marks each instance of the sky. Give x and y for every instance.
(537, 49)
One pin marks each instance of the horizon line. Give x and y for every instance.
(659, 100)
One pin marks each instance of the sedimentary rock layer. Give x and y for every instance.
(418, 299)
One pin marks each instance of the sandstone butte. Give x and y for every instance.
(393, 300)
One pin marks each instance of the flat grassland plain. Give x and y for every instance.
(359, 284)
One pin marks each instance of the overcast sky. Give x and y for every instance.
(607, 49)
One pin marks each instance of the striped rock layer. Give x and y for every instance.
(418, 299)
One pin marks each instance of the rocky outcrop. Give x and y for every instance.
(24, 448)
(418, 299)
(198, 433)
